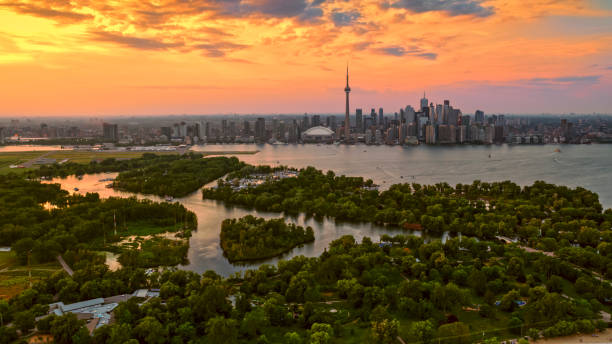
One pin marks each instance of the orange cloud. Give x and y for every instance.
(202, 56)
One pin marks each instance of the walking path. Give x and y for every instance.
(64, 265)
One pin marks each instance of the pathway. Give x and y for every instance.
(64, 265)
(31, 162)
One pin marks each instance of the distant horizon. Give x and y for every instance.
(390, 113)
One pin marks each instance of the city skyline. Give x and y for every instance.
(269, 56)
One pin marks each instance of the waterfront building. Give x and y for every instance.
(424, 102)
(110, 132)
(260, 129)
(479, 116)
(318, 135)
(359, 120)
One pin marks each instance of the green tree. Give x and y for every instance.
(222, 330)
(151, 331)
(456, 332)
(385, 331)
(64, 328)
(424, 331)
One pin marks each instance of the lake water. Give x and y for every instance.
(588, 166)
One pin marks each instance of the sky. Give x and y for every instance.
(157, 57)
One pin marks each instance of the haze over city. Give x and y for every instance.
(277, 56)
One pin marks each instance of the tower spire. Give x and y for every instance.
(347, 75)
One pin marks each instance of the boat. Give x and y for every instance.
(80, 177)
(109, 186)
(557, 150)
(168, 198)
(76, 189)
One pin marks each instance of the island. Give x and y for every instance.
(252, 238)
(533, 260)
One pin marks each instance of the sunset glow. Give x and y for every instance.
(87, 57)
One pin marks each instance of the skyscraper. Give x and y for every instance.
(110, 131)
(424, 102)
(381, 117)
(347, 122)
(359, 120)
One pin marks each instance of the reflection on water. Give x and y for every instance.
(578, 165)
(205, 251)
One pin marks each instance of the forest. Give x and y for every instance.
(168, 174)
(251, 238)
(451, 292)
(569, 222)
(43, 221)
(552, 279)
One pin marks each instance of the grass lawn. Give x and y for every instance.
(84, 157)
(144, 228)
(15, 158)
(14, 278)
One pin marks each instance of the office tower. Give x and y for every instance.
(410, 115)
(2, 135)
(424, 102)
(260, 129)
(367, 124)
(347, 122)
(305, 123)
(166, 131)
(359, 120)
(465, 120)
(479, 116)
(331, 122)
(207, 130)
(453, 116)
(224, 129)
(439, 113)
(381, 117)
(246, 128)
(110, 131)
(183, 129)
(176, 132)
(433, 115)
(232, 129)
(373, 116)
(316, 120)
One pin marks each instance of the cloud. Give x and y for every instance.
(219, 49)
(134, 42)
(300, 9)
(566, 80)
(399, 51)
(345, 18)
(609, 68)
(452, 7)
(59, 15)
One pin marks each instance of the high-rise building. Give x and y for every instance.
(373, 116)
(347, 122)
(479, 116)
(410, 114)
(2, 133)
(166, 131)
(110, 132)
(381, 117)
(305, 123)
(424, 102)
(316, 120)
(224, 128)
(260, 129)
(359, 120)
(246, 128)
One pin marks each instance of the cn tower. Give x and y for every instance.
(347, 122)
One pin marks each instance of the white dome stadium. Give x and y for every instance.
(318, 134)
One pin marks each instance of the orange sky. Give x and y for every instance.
(124, 57)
